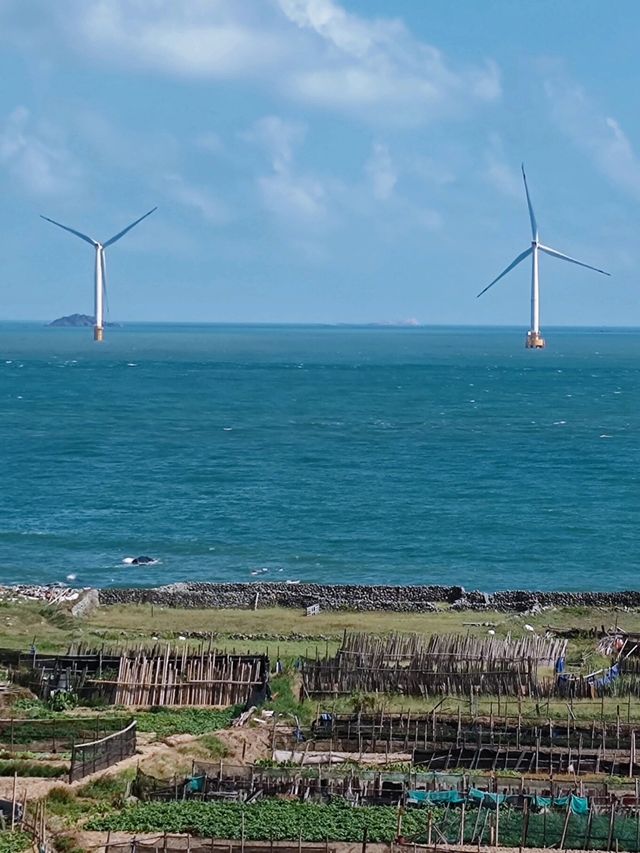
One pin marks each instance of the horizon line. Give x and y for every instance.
(381, 324)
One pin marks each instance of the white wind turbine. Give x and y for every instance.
(534, 338)
(100, 268)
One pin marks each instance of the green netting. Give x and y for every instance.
(435, 797)
(475, 797)
(578, 805)
(544, 829)
(484, 797)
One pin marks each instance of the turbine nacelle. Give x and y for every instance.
(100, 267)
(534, 338)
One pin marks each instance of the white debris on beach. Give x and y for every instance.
(56, 593)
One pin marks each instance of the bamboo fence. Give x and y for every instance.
(173, 676)
(413, 665)
(142, 677)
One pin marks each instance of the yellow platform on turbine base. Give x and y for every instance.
(534, 340)
(98, 333)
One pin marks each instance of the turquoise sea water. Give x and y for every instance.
(323, 454)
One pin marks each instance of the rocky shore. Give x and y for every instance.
(401, 599)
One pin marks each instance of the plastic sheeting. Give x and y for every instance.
(577, 805)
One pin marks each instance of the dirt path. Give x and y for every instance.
(244, 746)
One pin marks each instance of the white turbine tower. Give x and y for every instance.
(100, 268)
(534, 338)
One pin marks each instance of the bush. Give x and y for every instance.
(66, 844)
(107, 787)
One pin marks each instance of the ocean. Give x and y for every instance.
(325, 454)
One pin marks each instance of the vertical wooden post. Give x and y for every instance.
(637, 819)
(399, 823)
(565, 825)
(462, 824)
(587, 835)
(611, 822)
(13, 801)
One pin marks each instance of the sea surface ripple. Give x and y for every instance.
(328, 454)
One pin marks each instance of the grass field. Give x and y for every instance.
(289, 631)
(289, 634)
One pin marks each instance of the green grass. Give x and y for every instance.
(271, 628)
(32, 768)
(191, 721)
(584, 710)
(214, 746)
(111, 788)
(14, 842)
(71, 809)
(285, 700)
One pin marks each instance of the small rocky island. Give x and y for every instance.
(78, 320)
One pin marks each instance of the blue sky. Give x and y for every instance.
(320, 160)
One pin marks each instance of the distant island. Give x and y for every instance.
(77, 320)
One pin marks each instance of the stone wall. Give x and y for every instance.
(405, 599)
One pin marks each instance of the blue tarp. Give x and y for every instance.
(196, 784)
(609, 676)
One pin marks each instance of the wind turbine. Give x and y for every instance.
(534, 338)
(100, 268)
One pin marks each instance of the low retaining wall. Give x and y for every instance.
(406, 599)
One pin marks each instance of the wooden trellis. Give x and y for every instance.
(454, 665)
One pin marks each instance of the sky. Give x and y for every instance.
(320, 160)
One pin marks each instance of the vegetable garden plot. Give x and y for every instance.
(316, 823)
(57, 734)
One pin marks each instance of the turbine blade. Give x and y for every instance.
(128, 228)
(556, 254)
(513, 264)
(532, 216)
(71, 230)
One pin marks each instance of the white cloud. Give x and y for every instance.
(198, 38)
(197, 198)
(35, 155)
(498, 171)
(287, 192)
(598, 135)
(376, 67)
(310, 50)
(381, 172)
(293, 196)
